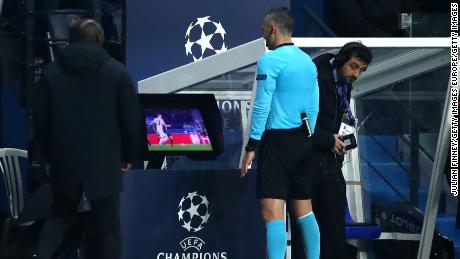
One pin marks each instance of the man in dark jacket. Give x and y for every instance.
(336, 74)
(87, 120)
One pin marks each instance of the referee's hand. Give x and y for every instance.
(247, 160)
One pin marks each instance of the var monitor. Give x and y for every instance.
(176, 130)
(187, 124)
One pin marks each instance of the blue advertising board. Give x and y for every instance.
(191, 214)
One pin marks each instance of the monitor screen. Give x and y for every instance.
(176, 130)
(181, 124)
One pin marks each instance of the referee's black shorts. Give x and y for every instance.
(283, 165)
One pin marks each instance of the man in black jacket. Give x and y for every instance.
(336, 74)
(87, 120)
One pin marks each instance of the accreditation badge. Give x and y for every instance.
(347, 127)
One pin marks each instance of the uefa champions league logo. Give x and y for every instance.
(204, 38)
(193, 216)
(193, 212)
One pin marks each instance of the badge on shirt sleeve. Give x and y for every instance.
(261, 77)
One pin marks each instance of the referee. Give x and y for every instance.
(286, 87)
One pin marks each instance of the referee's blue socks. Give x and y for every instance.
(310, 232)
(276, 239)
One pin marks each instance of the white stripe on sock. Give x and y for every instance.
(304, 216)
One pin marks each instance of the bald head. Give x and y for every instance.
(87, 30)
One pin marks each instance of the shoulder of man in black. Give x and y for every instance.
(325, 76)
(323, 64)
(323, 138)
(83, 58)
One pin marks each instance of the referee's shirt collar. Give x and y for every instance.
(284, 44)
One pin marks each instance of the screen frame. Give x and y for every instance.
(206, 104)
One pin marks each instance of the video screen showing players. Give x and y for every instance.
(176, 130)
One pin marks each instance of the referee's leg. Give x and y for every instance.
(307, 226)
(273, 215)
(297, 249)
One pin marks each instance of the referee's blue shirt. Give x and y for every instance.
(287, 85)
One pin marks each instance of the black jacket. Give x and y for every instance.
(329, 116)
(87, 120)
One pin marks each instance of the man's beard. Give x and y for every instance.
(350, 79)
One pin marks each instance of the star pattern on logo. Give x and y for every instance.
(205, 218)
(223, 49)
(191, 195)
(205, 200)
(187, 34)
(219, 28)
(188, 47)
(198, 229)
(201, 21)
(208, 35)
(181, 214)
(181, 201)
(193, 211)
(205, 42)
(188, 226)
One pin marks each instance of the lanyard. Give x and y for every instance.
(343, 92)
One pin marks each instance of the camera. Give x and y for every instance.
(349, 141)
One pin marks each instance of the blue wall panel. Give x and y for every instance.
(156, 30)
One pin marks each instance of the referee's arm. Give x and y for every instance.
(266, 85)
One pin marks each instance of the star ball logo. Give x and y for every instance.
(193, 216)
(193, 212)
(204, 38)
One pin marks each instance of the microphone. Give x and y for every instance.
(306, 124)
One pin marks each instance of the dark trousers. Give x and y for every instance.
(102, 227)
(328, 201)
